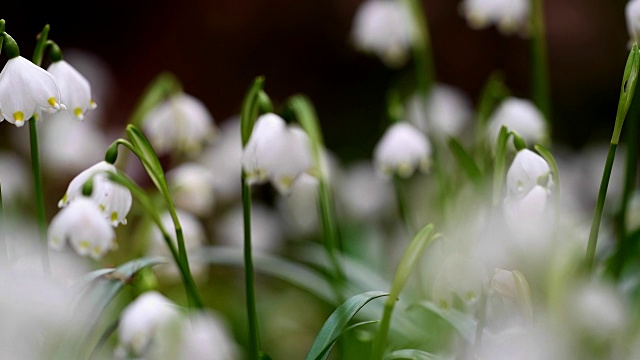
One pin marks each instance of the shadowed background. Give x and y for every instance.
(216, 48)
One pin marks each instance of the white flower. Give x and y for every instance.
(632, 13)
(276, 152)
(207, 337)
(527, 170)
(384, 27)
(509, 15)
(447, 111)
(24, 88)
(299, 208)
(141, 320)
(402, 149)
(182, 123)
(114, 200)
(266, 228)
(75, 89)
(521, 116)
(598, 309)
(362, 195)
(194, 237)
(193, 187)
(223, 157)
(83, 225)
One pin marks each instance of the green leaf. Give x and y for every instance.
(555, 173)
(463, 324)
(149, 159)
(162, 86)
(250, 109)
(306, 115)
(465, 160)
(412, 354)
(409, 259)
(337, 322)
(500, 163)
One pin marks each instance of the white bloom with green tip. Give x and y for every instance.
(402, 150)
(113, 200)
(26, 88)
(84, 227)
(74, 88)
(182, 123)
(384, 27)
(527, 170)
(509, 16)
(277, 153)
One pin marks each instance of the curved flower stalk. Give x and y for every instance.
(181, 123)
(113, 200)
(384, 28)
(510, 16)
(401, 151)
(84, 226)
(75, 89)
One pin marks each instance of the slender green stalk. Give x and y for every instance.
(252, 313)
(500, 164)
(539, 68)
(38, 54)
(627, 90)
(401, 200)
(630, 179)
(1, 37)
(421, 46)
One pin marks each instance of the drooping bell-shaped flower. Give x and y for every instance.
(83, 225)
(182, 123)
(207, 336)
(402, 149)
(632, 13)
(141, 321)
(385, 28)
(277, 153)
(75, 89)
(521, 116)
(113, 200)
(509, 16)
(25, 87)
(447, 110)
(527, 170)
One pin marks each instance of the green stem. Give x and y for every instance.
(252, 314)
(500, 165)
(421, 46)
(539, 70)
(401, 200)
(1, 37)
(597, 217)
(38, 54)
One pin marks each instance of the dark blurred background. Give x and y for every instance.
(216, 48)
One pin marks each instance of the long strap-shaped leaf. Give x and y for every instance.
(337, 322)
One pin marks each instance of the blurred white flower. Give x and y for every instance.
(192, 187)
(194, 236)
(385, 28)
(113, 200)
(83, 225)
(13, 172)
(401, 150)
(206, 336)
(521, 116)
(598, 309)
(461, 275)
(75, 89)
(266, 228)
(223, 157)
(69, 146)
(362, 195)
(448, 111)
(25, 88)
(141, 321)
(182, 123)
(509, 16)
(632, 13)
(277, 153)
(525, 343)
